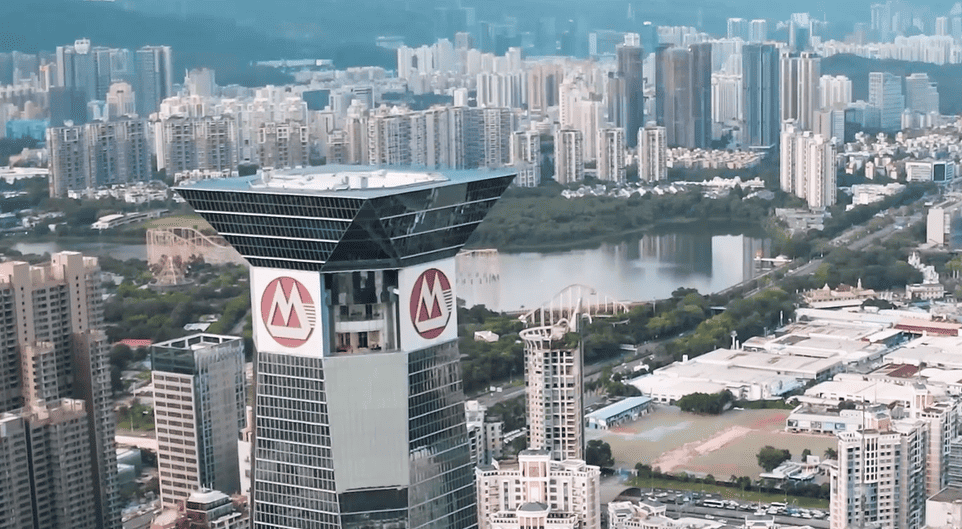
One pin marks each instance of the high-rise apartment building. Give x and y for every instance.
(569, 156)
(683, 94)
(206, 143)
(738, 28)
(885, 93)
(100, 153)
(942, 419)
(53, 351)
(758, 31)
(727, 100)
(199, 411)
(47, 476)
(611, 155)
(554, 378)
(440, 137)
(496, 127)
(799, 78)
(389, 137)
(879, 480)
(631, 76)
(807, 167)
(359, 410)
(526, 157)
(834, 90)
(485, 434)
(830, 123)
(155, 77)
(760, 80)
(69, 163)
(119, 151)
(652, 154)
(283, 144)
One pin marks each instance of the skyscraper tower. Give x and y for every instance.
(77, 69)
(155, 82)
(760, 81)
(885, 93)
(799, 78)
(630, 72)
(359, 410)
(206, 373)
(683, 94)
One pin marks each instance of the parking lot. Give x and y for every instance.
(714, 506)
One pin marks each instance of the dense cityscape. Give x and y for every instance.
(529, 266)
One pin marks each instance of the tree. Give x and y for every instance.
(805, 454)
(643, 471)
(598, 453)
(830, 453)
(770, 457)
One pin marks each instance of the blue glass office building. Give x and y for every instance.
(359, 408)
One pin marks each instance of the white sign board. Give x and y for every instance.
(428, 304)
(286, 307)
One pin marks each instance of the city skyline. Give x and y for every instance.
(354, 276)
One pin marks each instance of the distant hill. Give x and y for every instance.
(219, 43)
(948, 77)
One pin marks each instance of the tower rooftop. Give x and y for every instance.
(339, 218)
(357, 181)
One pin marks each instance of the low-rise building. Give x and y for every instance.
(838, 297)
(535, 491)
(832, 420)
(617, 413)
(944, 510)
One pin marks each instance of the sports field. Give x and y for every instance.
(723, 445)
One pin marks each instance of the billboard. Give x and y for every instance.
(428, 310)
(286, 307)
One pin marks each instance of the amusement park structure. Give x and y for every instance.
(171, 250)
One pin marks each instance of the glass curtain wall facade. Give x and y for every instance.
(359, 407)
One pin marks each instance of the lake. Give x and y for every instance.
(644, 268)
(99, 248)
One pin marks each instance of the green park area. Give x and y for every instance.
(135, 417)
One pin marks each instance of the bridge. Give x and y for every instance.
(572, 303)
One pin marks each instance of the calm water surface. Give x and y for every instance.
(641, 269)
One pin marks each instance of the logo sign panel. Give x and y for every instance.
(431, 303)
(287, 308)
(427, 305)
(288, 311)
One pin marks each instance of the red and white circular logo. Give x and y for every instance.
(432, 302)
(288, 311)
